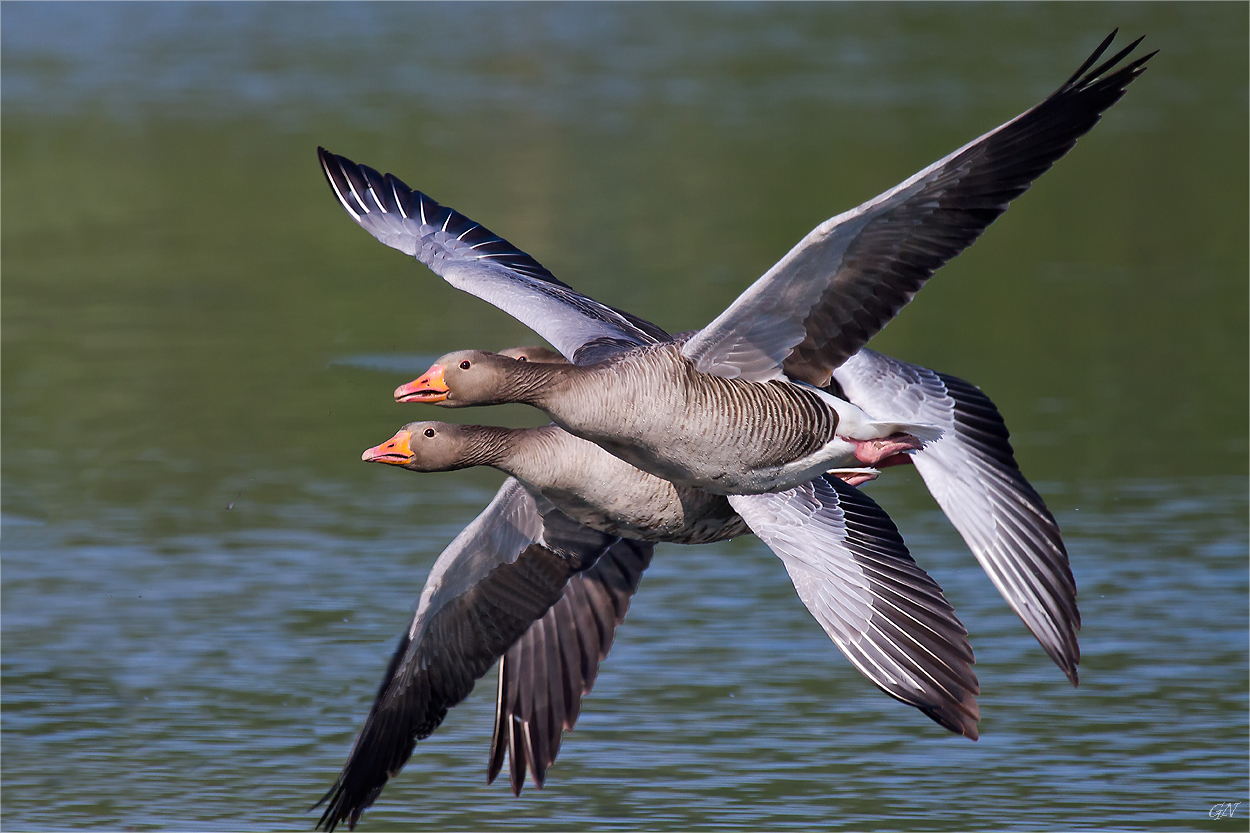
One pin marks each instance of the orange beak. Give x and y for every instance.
(395, 452)
(429, 388)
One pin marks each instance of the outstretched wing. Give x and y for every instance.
(504, 571)
(854, 573)
(972, 473)
(545, 675)
(480, 262)
(852, 274)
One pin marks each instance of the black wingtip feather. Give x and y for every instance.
(1089, 62)
(499, 739)
(1112, 61)
(351, 182)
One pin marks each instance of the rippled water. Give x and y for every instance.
(202, 583)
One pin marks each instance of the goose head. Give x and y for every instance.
(534, 354)
(466, 377)
(429, 446)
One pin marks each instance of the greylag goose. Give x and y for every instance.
(732, 409)
(527, 572)
(972, 474)
(843, 553)
(520, 584)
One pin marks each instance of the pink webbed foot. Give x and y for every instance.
(855, 477)
(887, 451)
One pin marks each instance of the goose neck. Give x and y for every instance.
(489, 445)
(538, 384)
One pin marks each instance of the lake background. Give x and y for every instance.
(202, 583)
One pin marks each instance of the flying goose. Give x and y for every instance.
(732, 409)
(971, 472)
(526, 575)
(843, 553)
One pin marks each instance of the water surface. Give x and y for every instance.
(202, 583)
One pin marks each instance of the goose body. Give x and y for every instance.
(528, 584)
(844, 554)
(578, 477)
(687, 412)
(726, 436)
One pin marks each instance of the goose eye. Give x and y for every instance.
(521, 359)
(429, 432)
(464, 365)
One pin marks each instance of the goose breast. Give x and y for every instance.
(606, 493)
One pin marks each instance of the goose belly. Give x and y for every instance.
(603, 492)
(663, 513)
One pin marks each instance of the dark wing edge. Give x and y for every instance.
(481, 596)
(545, 675)
(954, 201)
(844, 281)
(457, 646)
(413, 223)
(1027, 560)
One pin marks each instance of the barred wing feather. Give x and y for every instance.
(853, 572)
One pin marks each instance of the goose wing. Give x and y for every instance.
(545, 675)
(846, 279)
(972, 473)
(472, 258)
(851, 568)
(503, 572)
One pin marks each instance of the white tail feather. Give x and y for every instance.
(856, 424)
